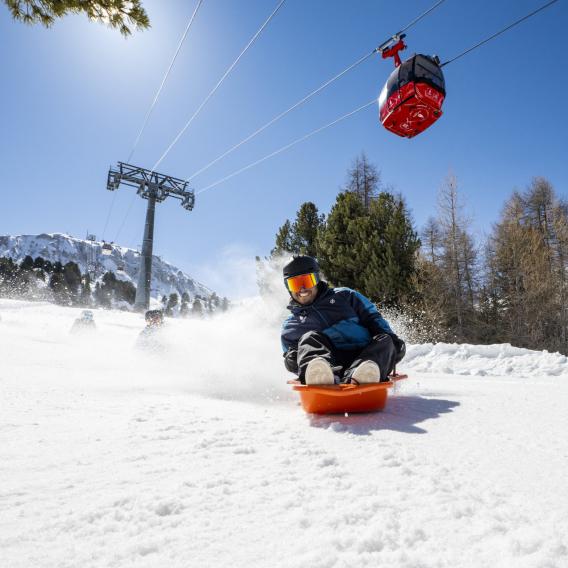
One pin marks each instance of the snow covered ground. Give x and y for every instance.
(202, 457)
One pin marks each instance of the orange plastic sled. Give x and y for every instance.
(339, 399)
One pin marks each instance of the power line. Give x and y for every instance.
(287, 146)
(499, 32)
(212, 92)
(149, 112)
(313, 93)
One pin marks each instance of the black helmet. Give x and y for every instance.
(154, 316)
(301, 265)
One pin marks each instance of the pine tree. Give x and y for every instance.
(118, 14)
(197, 308)
(364, 180)
(339, 241)
(85, 297)
(305, 229)
(73, 277)
(184, 308)
(284, 240)
(8, 276)
(173, 301)
(27, 264)
(107, 289)
(388, 252)
(431, 237)
(58, 286)
(457, 262)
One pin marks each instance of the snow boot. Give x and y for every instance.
(367, 372)
(319, 372)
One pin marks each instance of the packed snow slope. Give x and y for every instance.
(200, 456)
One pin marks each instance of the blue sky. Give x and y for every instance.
(74, 97)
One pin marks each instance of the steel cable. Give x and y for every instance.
(499, 32)
(310, 95)
(212, 92)
(286, 147)
(152, 105)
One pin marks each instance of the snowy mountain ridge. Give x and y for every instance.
(123, 261)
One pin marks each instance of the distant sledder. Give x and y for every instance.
(336, 336)
(150, 337)
(85, 323)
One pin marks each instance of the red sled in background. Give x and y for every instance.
(412, 98)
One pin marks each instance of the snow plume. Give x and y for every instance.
(234, 355)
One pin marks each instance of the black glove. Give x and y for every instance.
(291, 360)
(400, 347)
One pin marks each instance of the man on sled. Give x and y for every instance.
(334, 335)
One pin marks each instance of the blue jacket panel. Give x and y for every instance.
(345, 316)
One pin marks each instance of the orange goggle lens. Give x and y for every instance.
(296, 283)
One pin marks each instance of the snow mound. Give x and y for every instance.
(483, 360)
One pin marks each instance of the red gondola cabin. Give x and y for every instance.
(412, 98)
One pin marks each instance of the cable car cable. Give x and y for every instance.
(499, 32)
(312, 93)
(283, 148)
(157, 96)
(212, 92)
(283, 114)
(153, 104)
(417, 19)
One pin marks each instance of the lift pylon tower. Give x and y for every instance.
(155, 188)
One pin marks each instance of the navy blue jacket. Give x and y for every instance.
(345, 316)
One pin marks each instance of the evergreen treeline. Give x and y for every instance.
(40, 279)
(512, 288)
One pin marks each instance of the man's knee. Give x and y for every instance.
(391, 343)
(384, 341)
(309, 336)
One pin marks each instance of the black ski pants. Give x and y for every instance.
(314, 344)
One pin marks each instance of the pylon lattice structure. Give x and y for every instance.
(155, 188)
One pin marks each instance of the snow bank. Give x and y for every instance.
(483, 360)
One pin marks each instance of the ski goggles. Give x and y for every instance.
(296, 283)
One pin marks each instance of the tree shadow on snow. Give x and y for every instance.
(401, 414)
